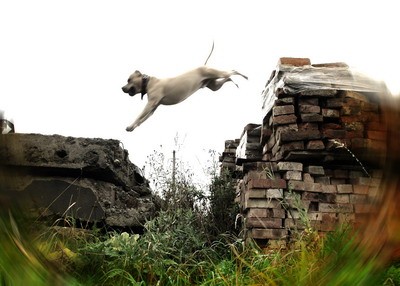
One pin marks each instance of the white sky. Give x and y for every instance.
(63, 63)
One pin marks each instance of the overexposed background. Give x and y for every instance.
(63, 63)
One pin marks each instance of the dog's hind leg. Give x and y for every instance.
(216, 84)
(146, 113)
(210, 73)
(238, 73)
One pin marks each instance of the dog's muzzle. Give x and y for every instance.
(129, 90)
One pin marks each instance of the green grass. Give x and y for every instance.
(173, 251)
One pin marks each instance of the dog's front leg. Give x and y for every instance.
(146, 113)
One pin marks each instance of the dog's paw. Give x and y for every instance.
(129, 128)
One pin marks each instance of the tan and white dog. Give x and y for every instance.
(173, 90)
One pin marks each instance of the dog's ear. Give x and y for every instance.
(138, 73)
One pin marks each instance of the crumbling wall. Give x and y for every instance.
(315, 158)
(89, 179)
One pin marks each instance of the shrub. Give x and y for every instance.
(223, 209)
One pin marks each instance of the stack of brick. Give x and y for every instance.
(249, 148)
(323, 144)
(228, 157)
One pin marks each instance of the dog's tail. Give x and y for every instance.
(212, 49)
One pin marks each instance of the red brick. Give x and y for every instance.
(284, 119)
(335, 208)
(331, 113)
(353, 126)
(346, 218)
(307, 178)
(294, 61)
(261, 233)
(358, 199)
(281, 110)
(308, 126)
(290, 166)
(293, 213)
(366, 181)
(262, 203)
(255, 174)
(329, 217)
(309, 196)
(266, 184)
(295, 145)
(290, 223)
(263, 222)
(328, 198)
(271, 142)
(341, 174)
(293, 175)
(313, 187)
(284, 101)
(356, 174)
(288, 127)
(278, 213)
(315, 170)
(315, 145)
(296, 185)
(335, 181)
(256, 194)
(350, 119)
(266, 213)
(314, 216)
(334, 102)
(331, 126)
(344, 188)
(254, 212)
(334, 133)
(299, 135)
(276, 149)
(308, 101)
(274, 194)
(342, 199)
(329, 189)
(306, 108)
(324, 180)
(311, 117)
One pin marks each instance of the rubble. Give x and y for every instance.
(89, 179)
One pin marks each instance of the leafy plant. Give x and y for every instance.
(223, 209)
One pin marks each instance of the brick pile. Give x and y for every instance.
(228, 157)
(320, 149)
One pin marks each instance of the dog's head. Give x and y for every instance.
(137, 82)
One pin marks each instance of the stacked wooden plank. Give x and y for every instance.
(323, 142)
